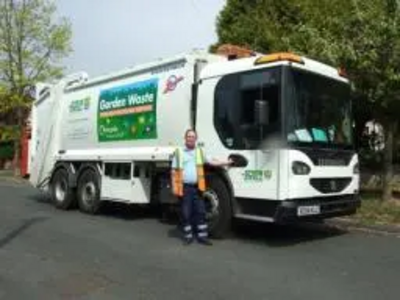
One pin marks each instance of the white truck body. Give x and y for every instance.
(126, 126)
(65, 128)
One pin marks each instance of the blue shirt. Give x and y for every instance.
(189, 165)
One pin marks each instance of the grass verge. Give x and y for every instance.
(375, 212)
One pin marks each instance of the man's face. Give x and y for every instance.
(190, 139)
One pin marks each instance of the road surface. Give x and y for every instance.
(50, 254)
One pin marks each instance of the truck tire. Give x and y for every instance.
(62, 195)
(89, 192)
(218, 205)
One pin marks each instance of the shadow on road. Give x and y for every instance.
(246, 231)
(175, 233)
(108, 209)
(40, 197)
(20, 229)
(284, 235)
(127, 212)
(273, 235)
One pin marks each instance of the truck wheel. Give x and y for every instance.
(62, 195)
(218, 206)
(89, 192)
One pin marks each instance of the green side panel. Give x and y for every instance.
(128, 112)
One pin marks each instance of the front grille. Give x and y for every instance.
(330, 185)
(328, 158)
(328, 162)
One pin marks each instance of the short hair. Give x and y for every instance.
(190, 130)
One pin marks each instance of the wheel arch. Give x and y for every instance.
(221, 173)
(218, 179)
(94, 166)
(71, 170)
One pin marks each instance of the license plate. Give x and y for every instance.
(308, 210)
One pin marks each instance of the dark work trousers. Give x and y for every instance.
(193, 214)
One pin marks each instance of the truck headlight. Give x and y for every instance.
(300, 168)
(356, 169)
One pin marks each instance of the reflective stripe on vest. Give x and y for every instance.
(177, 174)
(200, 170)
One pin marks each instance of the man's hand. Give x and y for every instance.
(229, 163)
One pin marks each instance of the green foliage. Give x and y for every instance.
(9, 101)
(6, 151)
(248, 23)
(9, 133)
(32, 44)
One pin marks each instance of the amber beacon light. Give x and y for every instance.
(284, 56)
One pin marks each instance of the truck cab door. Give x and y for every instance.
(260, 178)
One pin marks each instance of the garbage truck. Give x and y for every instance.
(284, 119)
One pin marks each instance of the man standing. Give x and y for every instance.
(187, 182)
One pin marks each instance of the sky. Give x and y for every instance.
(109, 35)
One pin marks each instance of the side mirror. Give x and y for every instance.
(261, 112)
(239, 160)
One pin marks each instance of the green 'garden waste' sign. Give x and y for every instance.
(128, 112)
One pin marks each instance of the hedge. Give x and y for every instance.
(6, 150)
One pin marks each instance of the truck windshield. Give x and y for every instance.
(318, 111)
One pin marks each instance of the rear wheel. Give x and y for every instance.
(62, 195)
(89, 192)
(218, 206)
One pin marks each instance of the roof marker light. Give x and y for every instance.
(282, 56)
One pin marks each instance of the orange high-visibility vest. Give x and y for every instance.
(177, 173)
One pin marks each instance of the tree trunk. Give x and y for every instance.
(387, 175)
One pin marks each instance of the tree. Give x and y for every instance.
(32, 44)
(263, 25)
(362, 36)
